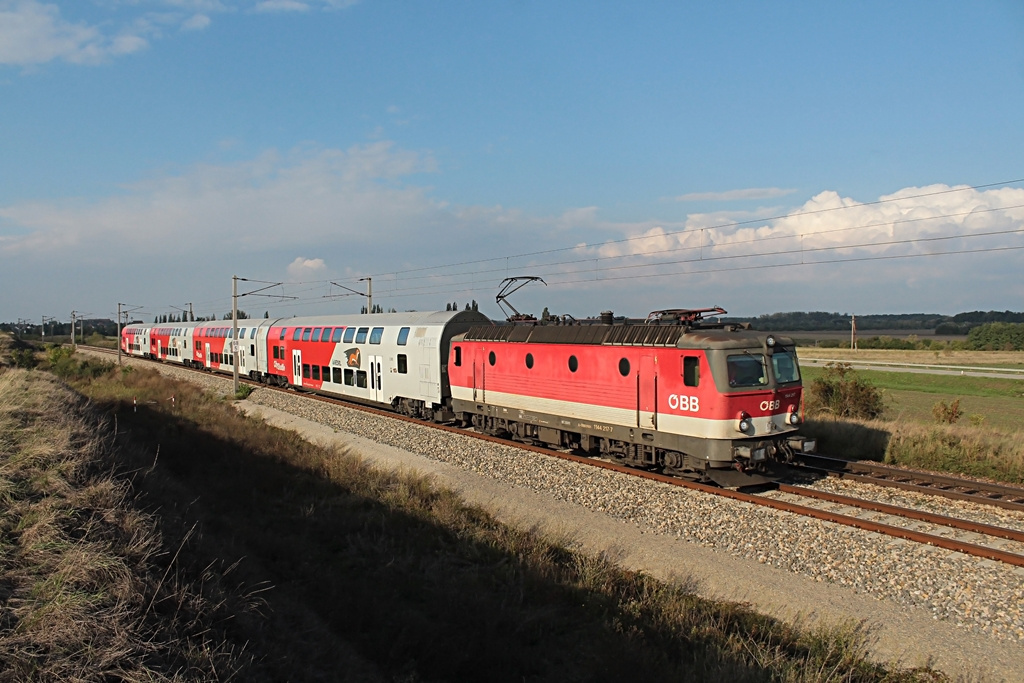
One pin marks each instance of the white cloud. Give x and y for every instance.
(197, 22)
(281, 6)
(303, 268)
(34, 33)
(734, 195)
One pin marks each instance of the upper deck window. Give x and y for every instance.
(361, 335)
(403, 336)
(785, 367)
(376, 334)
(350, 334)
(747, 370)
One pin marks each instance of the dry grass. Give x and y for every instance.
(960, 449)
(78, 563)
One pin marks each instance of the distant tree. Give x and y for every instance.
(447, 307)
(545, 315)
(475, 307)
(242, 315)
(362, 309)
(266, 314)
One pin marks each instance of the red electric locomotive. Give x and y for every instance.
(703, 400)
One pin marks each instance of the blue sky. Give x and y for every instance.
(758, 156)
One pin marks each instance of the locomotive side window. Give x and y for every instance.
(403, 336)
(624, 367)
(785, 368)
(336, 337)
(361, 336)
(691, 371)
(747, 370)
(529, 361)
(491, 358)
(350, 334)
(573, 364)
(458, 356)
(376, 334)
(403, 364)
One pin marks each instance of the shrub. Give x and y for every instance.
(23, 358)
(947, 414)
(243, 391)
(842, 393)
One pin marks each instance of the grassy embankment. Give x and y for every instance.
(985, 441)
(269, 558)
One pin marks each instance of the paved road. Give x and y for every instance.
(920, 369)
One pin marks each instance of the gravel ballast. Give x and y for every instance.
(966, 613)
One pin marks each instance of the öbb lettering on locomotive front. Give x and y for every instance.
(683, 403)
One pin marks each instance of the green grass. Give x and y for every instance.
(949, 385)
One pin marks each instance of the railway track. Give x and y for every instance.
(956, 488)
(899, 522)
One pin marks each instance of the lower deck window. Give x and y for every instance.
(305, 370)
(350, 377)
(316, 372)
(336, 372)
(361, 379)
(403, 364)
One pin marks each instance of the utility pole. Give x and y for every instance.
(42, 328)
(191, 316)
(369, 293)
(119, 333)
(853, 333)
(234, 324)
(73, 321)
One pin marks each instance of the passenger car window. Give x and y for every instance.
(403, 364)
(376, 334)
(403, 336)
(361, 378)
(350, 334)
(336, 337)
(298, 333)
(361, 335)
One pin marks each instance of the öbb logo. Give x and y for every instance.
(683, 403)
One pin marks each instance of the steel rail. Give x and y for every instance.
(909, 513)
(784, 506)
(957, 488)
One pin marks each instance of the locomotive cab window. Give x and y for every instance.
(376, 334)
(350, 333)
(691, 371)
(747, 370)
(403, 336)
(784, 367)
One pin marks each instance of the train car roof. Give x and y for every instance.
(348, 320)
(679, 336)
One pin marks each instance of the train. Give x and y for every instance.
(679, 393)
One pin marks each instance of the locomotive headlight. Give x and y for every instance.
(770, 340)
(794, 419)
(744, 423)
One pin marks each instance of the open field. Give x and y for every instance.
(992, 359)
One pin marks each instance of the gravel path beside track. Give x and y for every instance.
(965, 613)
